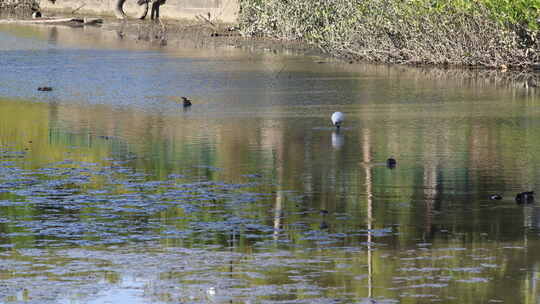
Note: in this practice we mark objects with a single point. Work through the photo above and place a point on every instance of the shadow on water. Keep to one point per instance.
(111, 191)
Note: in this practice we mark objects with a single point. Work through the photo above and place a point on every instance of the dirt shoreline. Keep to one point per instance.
(170, 32)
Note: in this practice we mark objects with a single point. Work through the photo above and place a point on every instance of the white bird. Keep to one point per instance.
(337, 119)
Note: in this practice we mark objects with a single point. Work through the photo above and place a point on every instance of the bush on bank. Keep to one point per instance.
(18, 8)
(491, 33)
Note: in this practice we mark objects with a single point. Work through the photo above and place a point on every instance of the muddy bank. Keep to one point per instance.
(203, 33)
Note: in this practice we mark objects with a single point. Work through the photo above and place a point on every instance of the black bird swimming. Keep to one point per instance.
(44, 89)
(391, 163)
(495, 197)
(186, 102)
(525, 197)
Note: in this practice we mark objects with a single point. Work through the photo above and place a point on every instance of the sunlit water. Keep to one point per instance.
(112, 192)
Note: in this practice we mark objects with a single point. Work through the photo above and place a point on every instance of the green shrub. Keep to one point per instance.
(458, 32)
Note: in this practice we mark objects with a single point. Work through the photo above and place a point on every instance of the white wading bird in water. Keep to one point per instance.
(337, 119)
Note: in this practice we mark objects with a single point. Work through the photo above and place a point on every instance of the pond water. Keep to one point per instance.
(112, 192)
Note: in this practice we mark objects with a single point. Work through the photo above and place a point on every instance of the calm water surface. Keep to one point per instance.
(110, 192)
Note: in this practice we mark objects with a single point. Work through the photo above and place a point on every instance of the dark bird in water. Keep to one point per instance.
(495, 197)
(323, 225)
(525, 197)
(391, 163)
(186, 102)
(44, 89)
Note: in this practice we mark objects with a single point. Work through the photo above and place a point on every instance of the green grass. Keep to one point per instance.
(508, 12)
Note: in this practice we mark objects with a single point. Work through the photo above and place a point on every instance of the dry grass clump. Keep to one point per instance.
(394, 31)
(18, 8)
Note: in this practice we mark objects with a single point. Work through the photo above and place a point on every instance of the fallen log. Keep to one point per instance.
(56, 21)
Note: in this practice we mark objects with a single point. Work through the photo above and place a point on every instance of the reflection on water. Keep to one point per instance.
(338, 140)
(111, 192)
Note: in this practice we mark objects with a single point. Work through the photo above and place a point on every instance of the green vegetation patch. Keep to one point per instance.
(491, 33)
